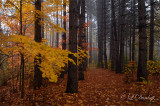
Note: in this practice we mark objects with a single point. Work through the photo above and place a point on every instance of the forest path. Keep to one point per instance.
(100, 88)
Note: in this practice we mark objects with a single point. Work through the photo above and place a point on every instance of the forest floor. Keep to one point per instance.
(100, 88)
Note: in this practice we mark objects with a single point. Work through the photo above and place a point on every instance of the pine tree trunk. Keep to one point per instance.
(72, 82)
(90, 40)
(114, 56)
(105, 33)
(22, 63)
(142, 62)
(42, 27)
(64, 37)
(37, 38)
(61, 14)
(82, 38)
(57, 35)
(130, 39)
(130, 32)
(126, 42)
(86, 30)
(151, 46)
(20, 77)
(22, 57)
(122, 35)
(134, 30)
(100, 33)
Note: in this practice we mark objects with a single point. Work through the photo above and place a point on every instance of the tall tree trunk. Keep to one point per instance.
(90, 39)
(61, 14)
(22, 63)
(119, 20)
(72, 82)
(114, 40)
(130, 39)
(142, 62)
(86, 30)
(122, 35)
(134, 31)
(126, 42)
(100, 33)
(20, 77)
(105, 33)
(82, 37)
(22, 57)
(13, 89)
(50, 37)
(130, 32)
(37, 38)
(57, 35)
(151, 46)
(64, 36)
(43, 23)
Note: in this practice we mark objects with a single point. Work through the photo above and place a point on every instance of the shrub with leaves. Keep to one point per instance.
(153, 67)
(143, 87)
(109, 65)
(128, 70)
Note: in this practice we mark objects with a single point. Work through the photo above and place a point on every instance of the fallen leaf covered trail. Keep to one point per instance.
(100, 88)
